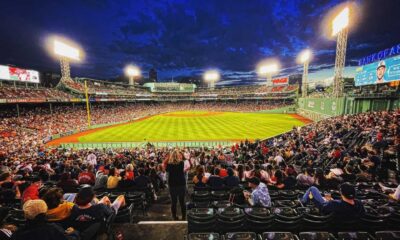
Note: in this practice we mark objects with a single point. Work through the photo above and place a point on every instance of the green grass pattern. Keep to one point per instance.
(197, 126)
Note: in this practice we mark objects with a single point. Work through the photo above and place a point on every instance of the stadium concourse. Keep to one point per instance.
(247, 190)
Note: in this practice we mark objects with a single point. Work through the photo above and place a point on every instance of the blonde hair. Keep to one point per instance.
(129, 167)
(175, 157)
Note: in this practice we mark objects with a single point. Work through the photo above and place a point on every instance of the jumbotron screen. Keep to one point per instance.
(383, 71)
(18, 74)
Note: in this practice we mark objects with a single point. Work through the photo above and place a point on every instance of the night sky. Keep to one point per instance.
(184, 38)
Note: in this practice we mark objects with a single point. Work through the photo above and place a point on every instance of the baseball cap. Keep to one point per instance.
(32, 208)
(254, 180)
(381, 64)
(348, 190)
(85, 195)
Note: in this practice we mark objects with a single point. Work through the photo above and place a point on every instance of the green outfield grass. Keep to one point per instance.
(197, 126)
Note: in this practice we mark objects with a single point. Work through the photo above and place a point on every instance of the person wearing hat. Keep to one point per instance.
(85, 212)
(259, 197)
(36, 225)
(347, 206)
(380, 72)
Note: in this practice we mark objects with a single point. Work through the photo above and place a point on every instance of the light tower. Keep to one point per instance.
(66, 53)
(211, 77)
(268, 70)
(340, 28)
(304, 58)
(132, 72)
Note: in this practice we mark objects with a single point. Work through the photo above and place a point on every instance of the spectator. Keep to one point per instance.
(176, 183)
(347, 207)
(305, 179)
(113, 178)
(129, 174)
(86, 211)
(87, 176)
(67, 184)
(231, 181)
(32, 192)
(101, 178)
(259, 197)
(6, 230)
(215, 181)
(36, 226)
(58, 209)
(142, 181)
(200, 179)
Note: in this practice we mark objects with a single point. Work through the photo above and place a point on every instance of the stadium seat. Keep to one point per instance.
(258, 219)
(219, 195)
(230, 219)
(316, 236)
(201, 219)
(278, 236)
(354, 236)
(240, 236)
(201, 196)
(202, 236)
(387, 235)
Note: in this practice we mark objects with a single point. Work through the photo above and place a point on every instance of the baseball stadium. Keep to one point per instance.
(301, 144)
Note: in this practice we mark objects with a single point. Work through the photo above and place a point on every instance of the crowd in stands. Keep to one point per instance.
(60, 184)
(33, 125)
(31, 93)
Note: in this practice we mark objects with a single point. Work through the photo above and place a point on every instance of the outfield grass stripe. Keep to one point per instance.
(202, 125)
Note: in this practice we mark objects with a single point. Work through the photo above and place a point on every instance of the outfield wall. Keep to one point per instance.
(125, 145)
(288, 109)
(317, 109)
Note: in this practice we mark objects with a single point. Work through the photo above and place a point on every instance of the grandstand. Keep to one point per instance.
(282, 156)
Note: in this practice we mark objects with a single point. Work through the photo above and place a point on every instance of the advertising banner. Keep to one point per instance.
(18, 74)
(280, 81)
(384, 71)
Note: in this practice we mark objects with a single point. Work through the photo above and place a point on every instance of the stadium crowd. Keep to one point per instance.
(58, 185)
(19, 134)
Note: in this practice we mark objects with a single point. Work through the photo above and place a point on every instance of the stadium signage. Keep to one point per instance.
(388, 52)
(384, 71)
(280, 81)
(18, 74)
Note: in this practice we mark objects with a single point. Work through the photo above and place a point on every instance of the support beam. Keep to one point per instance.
(341, 46)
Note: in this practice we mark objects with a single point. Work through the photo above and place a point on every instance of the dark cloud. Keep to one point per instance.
(184, 37)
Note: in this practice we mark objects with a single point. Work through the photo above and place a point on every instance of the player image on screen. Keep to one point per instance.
(380, 72)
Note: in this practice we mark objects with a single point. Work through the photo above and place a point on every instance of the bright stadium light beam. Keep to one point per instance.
(268, 69)
(304, 58)
(64, 50)
(340, 30)
(132, 72)
(211, 76)
(341, 21)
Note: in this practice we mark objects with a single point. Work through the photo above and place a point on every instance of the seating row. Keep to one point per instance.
(381, 235)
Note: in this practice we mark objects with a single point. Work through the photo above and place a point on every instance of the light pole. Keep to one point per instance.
(132, 72)
(340, 28)
(65, 52)
(304, 58)
(268, 70)
(211, 77)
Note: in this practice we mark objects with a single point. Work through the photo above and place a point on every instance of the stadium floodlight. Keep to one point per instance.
(304, 58)
(340, 25)
(132, 72)
(211, 76)
(64, 50)
(341, 21)
(268, 69)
